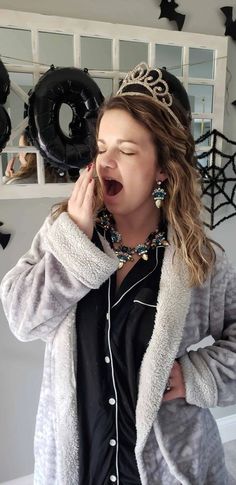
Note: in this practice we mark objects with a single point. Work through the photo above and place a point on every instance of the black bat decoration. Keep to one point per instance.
(230, 24)
(168, 8)
(4, 238)
(234, 102)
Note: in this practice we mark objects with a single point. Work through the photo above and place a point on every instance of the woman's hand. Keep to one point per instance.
(10, 166)
(80, 204)
(177, 385)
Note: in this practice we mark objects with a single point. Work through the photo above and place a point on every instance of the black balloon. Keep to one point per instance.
(5, 127)
(77, 89)
(4, 83)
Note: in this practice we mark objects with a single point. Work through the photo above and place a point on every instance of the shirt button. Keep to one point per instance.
(107, 359)
(112, 442)
(112, 401)
(113, 478)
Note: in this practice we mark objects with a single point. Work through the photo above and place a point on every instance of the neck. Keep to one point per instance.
(135, 230)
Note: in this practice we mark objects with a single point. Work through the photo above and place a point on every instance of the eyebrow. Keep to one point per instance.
(120, 140)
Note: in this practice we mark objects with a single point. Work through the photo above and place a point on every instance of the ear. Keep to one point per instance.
(161, 175)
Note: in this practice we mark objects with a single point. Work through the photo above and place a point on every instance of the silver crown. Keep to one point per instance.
(154, 84)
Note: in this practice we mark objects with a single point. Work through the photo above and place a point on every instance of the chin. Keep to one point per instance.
(117, 210)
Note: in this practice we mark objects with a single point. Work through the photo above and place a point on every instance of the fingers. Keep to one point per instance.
(175, 370)
(88, 197)
(81, 185)
(10, 164)
(170, 395)
(176, 383)
(80, 204)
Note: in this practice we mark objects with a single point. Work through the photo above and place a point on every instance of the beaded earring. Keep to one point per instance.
(159, 194)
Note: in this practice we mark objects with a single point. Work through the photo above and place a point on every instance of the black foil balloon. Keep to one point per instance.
(26, 106)
(4, 83)
(77, 89)
(5, 127)
(25, 114)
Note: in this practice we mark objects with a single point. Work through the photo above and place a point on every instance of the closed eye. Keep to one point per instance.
(127, 153)
(121, 151)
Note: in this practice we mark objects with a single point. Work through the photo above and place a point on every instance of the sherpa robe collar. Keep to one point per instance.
(172, 307)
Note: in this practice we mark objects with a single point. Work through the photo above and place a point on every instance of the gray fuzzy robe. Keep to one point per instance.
(178, 441)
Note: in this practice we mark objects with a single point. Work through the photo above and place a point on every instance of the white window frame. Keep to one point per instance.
(42, 23)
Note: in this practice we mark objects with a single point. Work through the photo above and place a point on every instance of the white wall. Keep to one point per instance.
(201, 16)
(21, 363)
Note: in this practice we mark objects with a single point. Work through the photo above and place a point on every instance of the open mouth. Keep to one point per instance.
(112, 187)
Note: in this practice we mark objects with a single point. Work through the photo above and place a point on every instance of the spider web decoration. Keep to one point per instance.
(218, 183)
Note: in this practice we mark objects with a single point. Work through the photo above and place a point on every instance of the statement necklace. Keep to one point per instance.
(125, 253)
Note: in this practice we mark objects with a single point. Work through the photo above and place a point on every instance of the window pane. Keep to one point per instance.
(15, 105)
(18, 163)
(131, 54)
(105, 85)
(56, 49)
(15, 43)
(203, 161)
(199, 128)
(5, 157)
(65, 118)
(96, 53)
(201, 63)
(201, 98)
(169, 56)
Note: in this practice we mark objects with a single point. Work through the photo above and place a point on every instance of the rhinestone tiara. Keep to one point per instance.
(151, 81)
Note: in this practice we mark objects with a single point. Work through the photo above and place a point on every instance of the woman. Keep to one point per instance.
(119, 282)
(27, 173)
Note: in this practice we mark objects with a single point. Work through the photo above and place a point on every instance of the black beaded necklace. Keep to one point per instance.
(125, 253)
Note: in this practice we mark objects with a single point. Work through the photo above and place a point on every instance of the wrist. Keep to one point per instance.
(87, 231)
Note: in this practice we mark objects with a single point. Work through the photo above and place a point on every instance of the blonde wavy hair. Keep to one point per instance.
(182, 208)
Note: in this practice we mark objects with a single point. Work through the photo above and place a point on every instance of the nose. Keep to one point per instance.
(107, 160)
